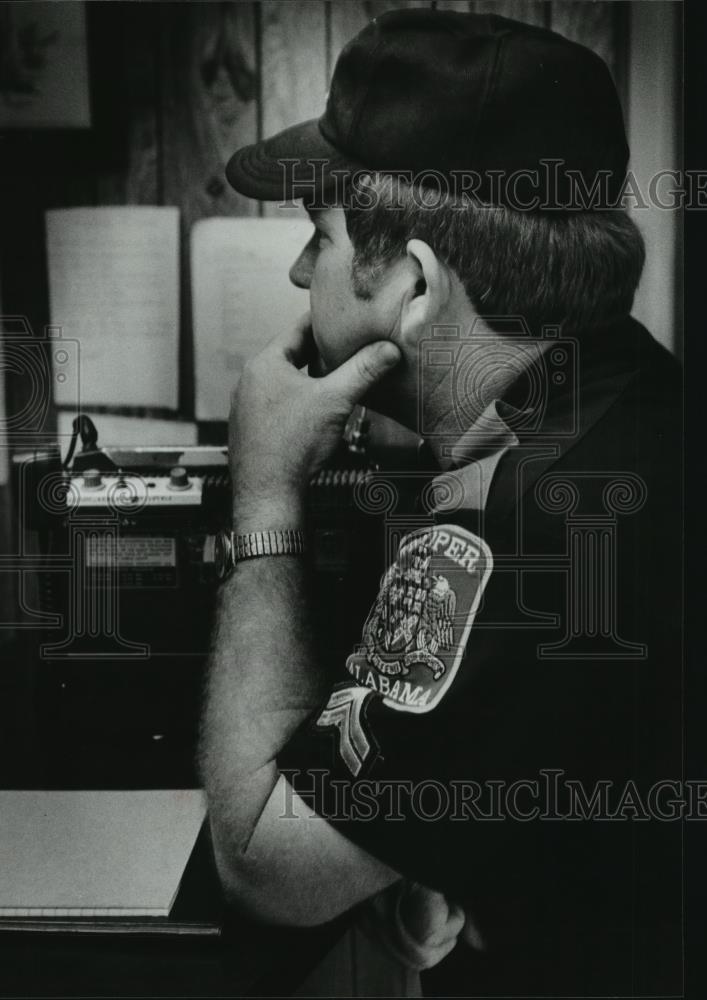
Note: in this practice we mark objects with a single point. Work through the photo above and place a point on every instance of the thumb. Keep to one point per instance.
(363, 370)
(424, 911)
(471, 934)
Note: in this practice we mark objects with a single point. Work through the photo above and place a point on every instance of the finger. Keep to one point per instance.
(471, 935)
(424, 912)
(457, 911)
(450, 930)
(443, 951)
(430, 917)
(443, 934)
(427, 958)
(355, 377)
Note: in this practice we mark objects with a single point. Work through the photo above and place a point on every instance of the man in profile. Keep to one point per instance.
(515, 686)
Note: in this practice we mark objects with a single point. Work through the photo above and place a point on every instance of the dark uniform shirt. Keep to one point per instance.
(521, 664)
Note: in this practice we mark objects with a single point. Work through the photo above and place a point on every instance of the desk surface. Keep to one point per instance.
(273, 964)
(248, 959)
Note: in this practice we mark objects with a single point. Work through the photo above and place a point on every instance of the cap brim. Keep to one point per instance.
(296, 163)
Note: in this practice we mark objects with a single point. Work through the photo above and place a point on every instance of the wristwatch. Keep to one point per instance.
(229, 547)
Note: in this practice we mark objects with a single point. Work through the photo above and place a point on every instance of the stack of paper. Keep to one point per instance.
(95, 854)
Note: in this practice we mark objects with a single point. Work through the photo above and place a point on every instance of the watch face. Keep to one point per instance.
(222, 555)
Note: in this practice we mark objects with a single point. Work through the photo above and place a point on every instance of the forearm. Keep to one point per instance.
(263, 682)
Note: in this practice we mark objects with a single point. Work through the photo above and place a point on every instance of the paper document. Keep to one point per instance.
(95, 853)
(114, 287)
(242, 298)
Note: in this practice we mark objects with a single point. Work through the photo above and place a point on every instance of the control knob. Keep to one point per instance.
(178, 478)
(92, 479)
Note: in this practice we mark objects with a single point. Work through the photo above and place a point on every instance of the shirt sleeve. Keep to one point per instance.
(384, 749)
(444, 744)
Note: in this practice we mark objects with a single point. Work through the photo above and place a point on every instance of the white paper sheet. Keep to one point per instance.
(95, 853)
(242, 298)
(130, 430)
(114, 286)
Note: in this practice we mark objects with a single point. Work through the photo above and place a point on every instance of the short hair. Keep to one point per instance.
(572, 269)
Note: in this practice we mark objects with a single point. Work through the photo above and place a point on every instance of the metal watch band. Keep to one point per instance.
(266, 543)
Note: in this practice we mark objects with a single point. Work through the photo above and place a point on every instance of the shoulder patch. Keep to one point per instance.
(416, 633)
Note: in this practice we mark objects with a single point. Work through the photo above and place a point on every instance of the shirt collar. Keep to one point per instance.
(470, 463)
(489, 434)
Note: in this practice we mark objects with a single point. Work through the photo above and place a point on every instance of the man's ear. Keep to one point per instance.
(431, 293)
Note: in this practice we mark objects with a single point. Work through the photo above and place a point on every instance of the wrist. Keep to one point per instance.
(254, 512)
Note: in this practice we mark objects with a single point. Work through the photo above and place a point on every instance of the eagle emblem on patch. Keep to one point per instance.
(416, 633)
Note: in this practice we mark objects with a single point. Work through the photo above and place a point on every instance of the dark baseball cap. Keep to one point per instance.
(504, 111)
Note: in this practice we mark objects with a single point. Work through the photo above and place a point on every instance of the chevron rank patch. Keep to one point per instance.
(345, 712)
(415, 636)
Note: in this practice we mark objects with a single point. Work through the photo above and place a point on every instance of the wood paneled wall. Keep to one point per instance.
(176, 87)
(230, 73)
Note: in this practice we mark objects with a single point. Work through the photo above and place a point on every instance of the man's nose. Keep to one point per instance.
(301, 270)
